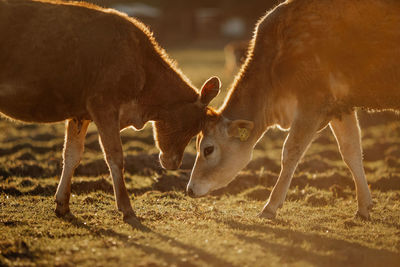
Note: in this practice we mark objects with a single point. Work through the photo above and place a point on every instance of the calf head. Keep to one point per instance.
(224, 147)
(180, 123)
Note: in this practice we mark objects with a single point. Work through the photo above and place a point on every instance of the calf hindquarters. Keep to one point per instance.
(347, 133)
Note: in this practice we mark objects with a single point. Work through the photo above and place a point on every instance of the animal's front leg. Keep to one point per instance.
(347, 133)
(300, 136)
(73, 148)
(107, 122)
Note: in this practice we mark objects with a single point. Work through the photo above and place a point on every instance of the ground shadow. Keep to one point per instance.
(169, 258)
(341, 252)
(205, 256)
(77, 222)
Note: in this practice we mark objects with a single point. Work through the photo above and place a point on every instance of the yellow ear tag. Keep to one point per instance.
(243, 134)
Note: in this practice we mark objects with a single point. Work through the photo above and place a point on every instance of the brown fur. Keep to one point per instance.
(310, 63)
(80, 63)
(359, 41)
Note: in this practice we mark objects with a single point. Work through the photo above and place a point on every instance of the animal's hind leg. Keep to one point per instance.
(347, 133)
(75, 133)
(107, 122)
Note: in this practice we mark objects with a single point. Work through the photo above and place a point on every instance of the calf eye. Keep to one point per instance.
(208, 150)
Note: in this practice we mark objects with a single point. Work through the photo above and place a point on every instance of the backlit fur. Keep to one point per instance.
(310, 64)
(78, 62)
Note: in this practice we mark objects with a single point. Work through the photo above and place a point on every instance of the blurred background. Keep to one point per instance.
(177, 22)
(205, 37)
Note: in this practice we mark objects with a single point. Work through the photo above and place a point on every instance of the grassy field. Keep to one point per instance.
(315, 227)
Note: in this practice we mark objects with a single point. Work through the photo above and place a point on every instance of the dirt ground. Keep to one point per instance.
(315, 227)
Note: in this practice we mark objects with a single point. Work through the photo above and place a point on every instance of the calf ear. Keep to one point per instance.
(209, 90)
(240, 129)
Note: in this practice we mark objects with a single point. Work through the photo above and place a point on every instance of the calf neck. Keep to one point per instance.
(311, 63)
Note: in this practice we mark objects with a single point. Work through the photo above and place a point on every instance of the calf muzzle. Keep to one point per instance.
(170, 162)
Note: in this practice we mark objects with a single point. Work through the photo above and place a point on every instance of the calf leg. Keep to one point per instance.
(75, 133)
(347, 133)
(107, 123)
(300, 137)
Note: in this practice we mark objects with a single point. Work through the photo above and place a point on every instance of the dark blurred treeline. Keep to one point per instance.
(188, 21)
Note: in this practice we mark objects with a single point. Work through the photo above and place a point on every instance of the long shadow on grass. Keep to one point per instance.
(345, 253)
(34, 148)
(203, 255)
(169, 258)
(164, 183)
(71, 218)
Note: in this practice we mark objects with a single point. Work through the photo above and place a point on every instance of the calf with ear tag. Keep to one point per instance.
(240, 129)
(209, 90)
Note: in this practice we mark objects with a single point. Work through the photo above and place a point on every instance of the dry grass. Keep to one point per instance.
(315, 226)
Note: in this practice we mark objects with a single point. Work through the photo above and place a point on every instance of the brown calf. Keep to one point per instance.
(311, 64)
(80, 63)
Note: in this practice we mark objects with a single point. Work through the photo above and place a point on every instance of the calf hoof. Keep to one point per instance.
(362, 215)
(62, 210)
(267, 214)
(131, 219)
